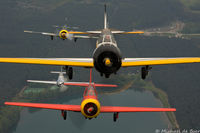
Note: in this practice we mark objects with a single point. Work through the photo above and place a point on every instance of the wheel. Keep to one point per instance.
(51, 37)
(115, 117)
(75, 39)
(70, 73)
(64, 114)
(144, 72)
(101, 74)
(107, 75)
(65, 68)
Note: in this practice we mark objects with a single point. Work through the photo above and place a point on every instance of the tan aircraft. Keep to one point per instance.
(107, 58)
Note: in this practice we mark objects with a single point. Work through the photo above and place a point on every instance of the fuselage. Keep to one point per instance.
(107, 56)
(90, 106)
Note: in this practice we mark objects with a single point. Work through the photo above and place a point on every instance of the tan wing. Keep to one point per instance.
(114, 32)
(85, 37)
(128, 62)
(43, 33)
(81, 62)
(127, 32)
(78, 32)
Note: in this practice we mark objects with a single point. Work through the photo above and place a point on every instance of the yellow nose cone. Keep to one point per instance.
(107, 62)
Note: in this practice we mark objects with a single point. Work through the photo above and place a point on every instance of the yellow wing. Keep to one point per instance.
(129, 62)
(88, 62)
(81, 62)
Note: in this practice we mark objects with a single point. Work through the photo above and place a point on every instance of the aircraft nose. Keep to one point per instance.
(107, 62)
(90, 109)
(59, 83)
(63, 35)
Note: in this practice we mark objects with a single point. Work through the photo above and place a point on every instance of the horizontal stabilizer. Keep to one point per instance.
(87, 84)
(76, 83)
(55, 72)
(43, 82)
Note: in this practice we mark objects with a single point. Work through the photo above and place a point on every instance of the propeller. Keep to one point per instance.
(65, 27)
(69, 36)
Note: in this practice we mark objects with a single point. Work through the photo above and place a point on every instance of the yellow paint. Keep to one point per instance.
(107, 62)
(62, 34)
(161, 62)
(78, 32)
(96, 102)
(90, 64)
(46, 62)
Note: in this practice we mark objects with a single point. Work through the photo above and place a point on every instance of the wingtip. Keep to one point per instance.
(6, 103)
(115, 85)
(171, 109)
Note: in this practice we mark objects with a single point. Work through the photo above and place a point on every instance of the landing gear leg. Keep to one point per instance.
(69, 72)
(145, 71)
(75, 39)
(51, 37)
(115, 116)
(64, 114)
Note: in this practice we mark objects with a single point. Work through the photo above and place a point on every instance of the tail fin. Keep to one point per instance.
(105, 18)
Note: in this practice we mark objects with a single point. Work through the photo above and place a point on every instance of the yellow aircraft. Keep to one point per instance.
(63, 33)
(107, 58)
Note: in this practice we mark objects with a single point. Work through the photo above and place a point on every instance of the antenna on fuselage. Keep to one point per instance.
(90, 75)
(105, 18)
